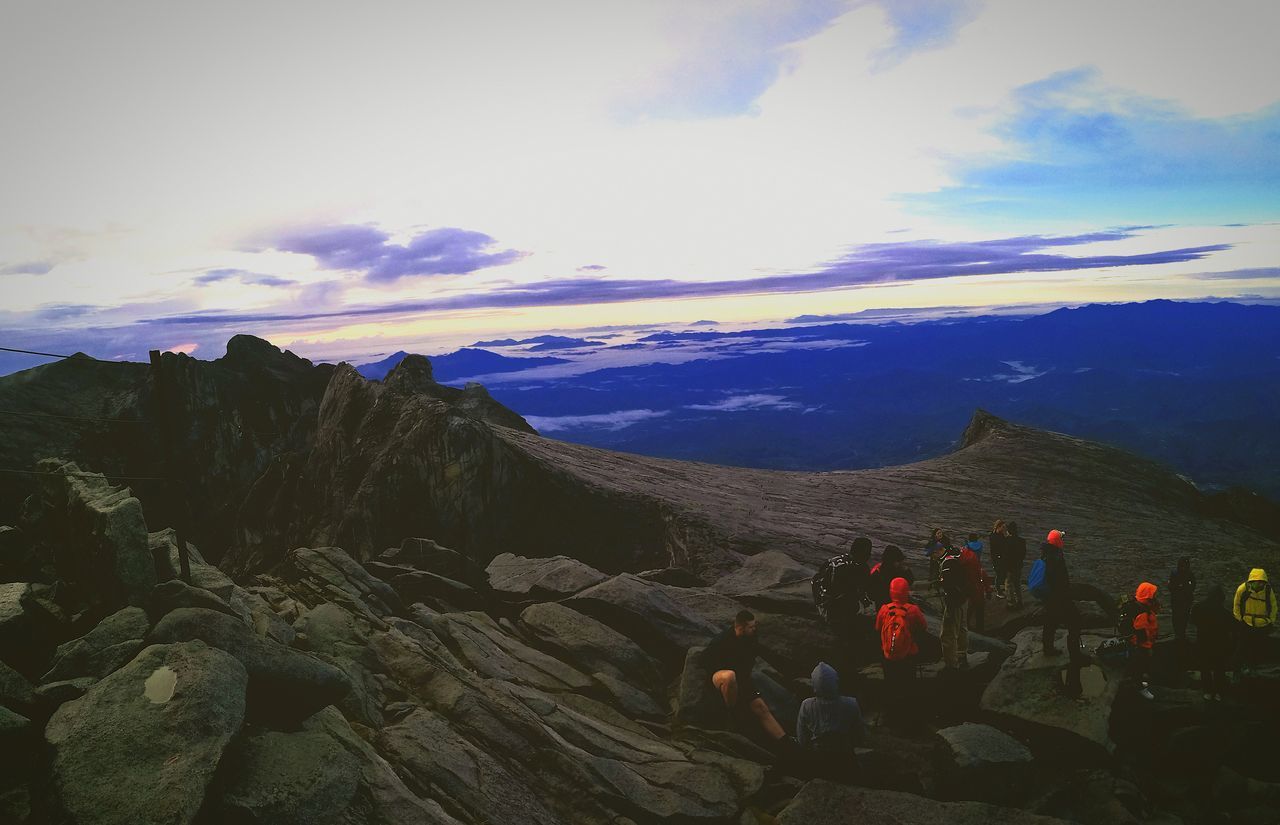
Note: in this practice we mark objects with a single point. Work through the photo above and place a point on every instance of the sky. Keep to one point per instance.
(350, 179)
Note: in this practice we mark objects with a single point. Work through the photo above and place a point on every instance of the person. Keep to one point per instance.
(1014, 555)
(1215, 629)
(997, 540)
(892, 565)
(1145, 626)
(1254, 607)
(933, 549)
(1059, 609)
(840, 591)
(731, 656)
(829, 726)
(1182, 591)
(956, 574)
(979, 587)
(899, 622)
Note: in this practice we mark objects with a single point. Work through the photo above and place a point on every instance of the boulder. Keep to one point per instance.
(100, 534)
(763, 571)
(482, 645)
(328, 574)
(425, 554)
(421, 586)
(827, 803)
(53, 694)
(143, 744)
(163, 545)
(301, 778)
(170, 595)
(557, 577)
(13, 614)
(16, 693)
(646, 613)
(978, 746)
(285, 686)
(1031, 689)
(113, 642)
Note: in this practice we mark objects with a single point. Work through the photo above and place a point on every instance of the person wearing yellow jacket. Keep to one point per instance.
(1255, 606)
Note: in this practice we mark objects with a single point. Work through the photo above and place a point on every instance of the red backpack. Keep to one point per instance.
(895, 636)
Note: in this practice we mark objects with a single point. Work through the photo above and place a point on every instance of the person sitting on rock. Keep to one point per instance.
(1254, 607)
(1059, 609)
(899, 623)
(829, 726)
(731, 656)
(1215, 631)
(892, 565)
(1145, 627)
(1014, 555)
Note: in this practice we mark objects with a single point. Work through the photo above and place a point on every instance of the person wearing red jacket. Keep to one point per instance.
(898, 623)
(1145, 627)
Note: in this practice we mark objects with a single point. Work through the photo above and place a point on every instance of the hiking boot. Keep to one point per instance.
(1146, 693)
(1217, 697)
(1208, 697)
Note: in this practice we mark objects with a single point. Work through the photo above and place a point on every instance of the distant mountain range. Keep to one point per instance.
(1193, 385)
(460, 364)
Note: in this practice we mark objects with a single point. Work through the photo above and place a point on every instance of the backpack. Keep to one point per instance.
(954, 578)
(1244, 599)
(836, 581)
(1130, 610)
(1036, 584)
(895, 636)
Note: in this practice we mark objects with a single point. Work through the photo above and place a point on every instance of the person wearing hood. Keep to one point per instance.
(899, 622)
(1059, 609)
(1145, 627)
(893, 565)
(830, 725)
(1254, 607)
(1182, 592)
(1215, 631)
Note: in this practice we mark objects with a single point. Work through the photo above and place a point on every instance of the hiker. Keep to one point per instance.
(1143, 627)
(829, 726)
(840, 591)
(731, 656)
(1182, 591)
(1215, 629)
(958, 572)
(898, 623)
(1254, 607)
(979, 587)
(1013, 556)
(892, 565)
(997, 540)
(938, 544)
(1059, 609)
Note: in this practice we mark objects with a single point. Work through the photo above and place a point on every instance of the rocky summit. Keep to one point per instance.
(262, 590)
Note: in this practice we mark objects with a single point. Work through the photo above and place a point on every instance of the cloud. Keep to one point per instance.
(592, 268)
(441, 251)
(602, 421)
(1076, 147)
(923, 24)
(27, 268)
(740, 403)
(214, 276)
(866, 265)
(1255, 273)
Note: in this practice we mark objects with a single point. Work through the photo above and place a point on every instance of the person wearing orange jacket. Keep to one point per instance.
(899, 623)
(1145, 628)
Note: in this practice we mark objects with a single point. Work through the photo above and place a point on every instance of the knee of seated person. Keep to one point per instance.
(724, 678)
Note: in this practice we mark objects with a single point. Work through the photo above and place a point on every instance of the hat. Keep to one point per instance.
(1055, 537)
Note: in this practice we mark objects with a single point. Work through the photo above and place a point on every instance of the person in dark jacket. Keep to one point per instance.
(1059, 609)
(1014, 555)
(979, 587)
(1182, 592)
(841, 593)
(893, 565)
(829, 726)
(959, 572)
(731, 656)
(1215, 639)
(996, 540)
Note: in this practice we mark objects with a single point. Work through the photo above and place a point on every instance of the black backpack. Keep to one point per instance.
(954, 578)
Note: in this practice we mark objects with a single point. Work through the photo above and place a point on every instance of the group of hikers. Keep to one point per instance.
(872, 608)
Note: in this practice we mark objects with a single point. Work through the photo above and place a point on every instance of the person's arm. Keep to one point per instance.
(1143, 628)
(802, 723)
(1238, 603)
(1275, 607)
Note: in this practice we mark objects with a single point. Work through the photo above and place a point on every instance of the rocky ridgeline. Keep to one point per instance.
(420, 687)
